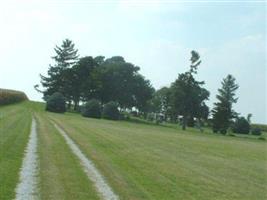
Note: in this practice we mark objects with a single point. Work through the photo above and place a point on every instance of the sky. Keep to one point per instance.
(155, 35)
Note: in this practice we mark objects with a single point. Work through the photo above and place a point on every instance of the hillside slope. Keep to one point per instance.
(138, 161)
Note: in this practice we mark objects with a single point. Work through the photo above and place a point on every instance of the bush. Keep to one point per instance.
(231, 134)
(222, 130)
(56, 103)
(262, 127)
(134, 113)
(241, 125)
(150, 117)
(111, 111)
(91, 109)
(124, 116)
(11, 96)
(261, 138)
(256, 131)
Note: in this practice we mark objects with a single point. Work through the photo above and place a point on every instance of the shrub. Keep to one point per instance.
(256, 131)
(222, 131)
(124, 116)
(241, 125)
(261, 138)
(150, 117)
(11, 96)
(56, 103)
(91, 109)
(110, 111)
(263, 127)
(127, 116)
(134, 113)
(231, 134)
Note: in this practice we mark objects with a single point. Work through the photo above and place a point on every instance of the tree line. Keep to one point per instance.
(81, 79)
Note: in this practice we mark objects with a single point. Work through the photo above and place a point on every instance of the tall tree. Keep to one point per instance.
(161, 101)
(142, 93)
(58, 77)
(66, 54)
(223, 112)
(188, 95)
(84, 85)
(117, 81)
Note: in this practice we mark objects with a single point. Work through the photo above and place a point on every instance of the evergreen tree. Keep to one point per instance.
(66, 55)
(223, 112)
(188, 95)
(58, 77)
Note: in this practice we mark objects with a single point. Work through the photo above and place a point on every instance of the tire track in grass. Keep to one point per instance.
(104, 190)
(27, 186)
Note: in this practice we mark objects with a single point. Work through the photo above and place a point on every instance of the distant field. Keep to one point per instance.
(11, 96)
(139, 161)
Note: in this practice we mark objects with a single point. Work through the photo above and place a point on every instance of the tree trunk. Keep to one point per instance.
(191, 122)
(184, 122)
(76, 105)
(69, 104)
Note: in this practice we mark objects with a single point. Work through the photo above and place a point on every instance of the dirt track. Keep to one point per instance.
(27, 186)
(103, 189)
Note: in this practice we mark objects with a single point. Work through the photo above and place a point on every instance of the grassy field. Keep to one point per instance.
(153, 162)
(61, 176)
(139, 161)
(15, 122)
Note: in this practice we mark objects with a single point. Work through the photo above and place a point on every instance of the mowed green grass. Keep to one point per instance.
(154, 162)
(61, 174)
(139, 161)
(15, 123)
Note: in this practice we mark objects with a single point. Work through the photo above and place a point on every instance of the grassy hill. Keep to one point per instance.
(139, 161)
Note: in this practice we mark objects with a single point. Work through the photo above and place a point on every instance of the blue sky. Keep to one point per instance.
(155, 35)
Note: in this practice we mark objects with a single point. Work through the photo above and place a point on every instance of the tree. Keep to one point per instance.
(117, 81)
(66, 55)
(110, 111)
(142, 93)
(188, 95)
(59, 74)
(56, 103)
(92, 109)
(82, 81)
(241, 125)
(161, 102)
(249, 118)
(223, 112)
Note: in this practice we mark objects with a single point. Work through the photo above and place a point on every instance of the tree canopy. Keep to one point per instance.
(82, 79)
(188, 95)
(223, 111)
(59, 76)
(105, 80)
